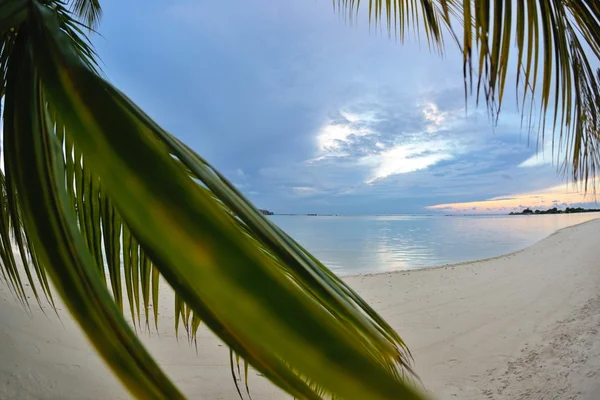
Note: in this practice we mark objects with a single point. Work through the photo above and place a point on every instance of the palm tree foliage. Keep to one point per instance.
(553, 39)
(91, 185)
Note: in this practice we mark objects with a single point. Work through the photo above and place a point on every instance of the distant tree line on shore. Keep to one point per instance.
(568, 210)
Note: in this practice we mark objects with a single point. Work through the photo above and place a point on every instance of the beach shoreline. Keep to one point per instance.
(524, 325)
(462, 263)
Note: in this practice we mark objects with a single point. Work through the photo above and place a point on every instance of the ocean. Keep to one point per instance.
(351, 245)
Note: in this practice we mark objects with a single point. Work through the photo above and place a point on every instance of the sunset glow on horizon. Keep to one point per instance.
(559, 196)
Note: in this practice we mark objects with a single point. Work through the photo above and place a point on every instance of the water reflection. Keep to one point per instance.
(366, 244)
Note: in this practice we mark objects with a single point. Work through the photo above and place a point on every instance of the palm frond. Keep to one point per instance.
(11, 234)
(107, 192)
(552, 64)
(36, 170)
(89, 11)
(12, 14)
(402, 17)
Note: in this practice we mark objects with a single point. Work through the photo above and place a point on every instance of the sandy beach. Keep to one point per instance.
(520, 326)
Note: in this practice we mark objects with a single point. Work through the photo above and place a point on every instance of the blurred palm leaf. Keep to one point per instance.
(98, 187)
(93, 187)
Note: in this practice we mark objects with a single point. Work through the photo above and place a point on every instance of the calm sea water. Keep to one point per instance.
(367, 244)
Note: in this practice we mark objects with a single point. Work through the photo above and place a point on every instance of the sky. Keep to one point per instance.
(307, 112)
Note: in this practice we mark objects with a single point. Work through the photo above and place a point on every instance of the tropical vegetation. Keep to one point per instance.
(99, 202)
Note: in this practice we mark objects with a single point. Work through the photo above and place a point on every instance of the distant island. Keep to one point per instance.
(555, 210)
(267, 212)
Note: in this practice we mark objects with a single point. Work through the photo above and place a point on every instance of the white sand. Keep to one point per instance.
(521, 326)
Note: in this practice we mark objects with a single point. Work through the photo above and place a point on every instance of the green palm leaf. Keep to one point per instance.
(34, 155)
(162, 208)
(88, 10)
(202, 254)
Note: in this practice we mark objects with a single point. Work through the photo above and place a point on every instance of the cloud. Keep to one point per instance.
(382, 138)
(559, 195)
(549, 153)
(397, 153)
(305, 190)
(332, 137)
(434, 116)
(402, 159)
